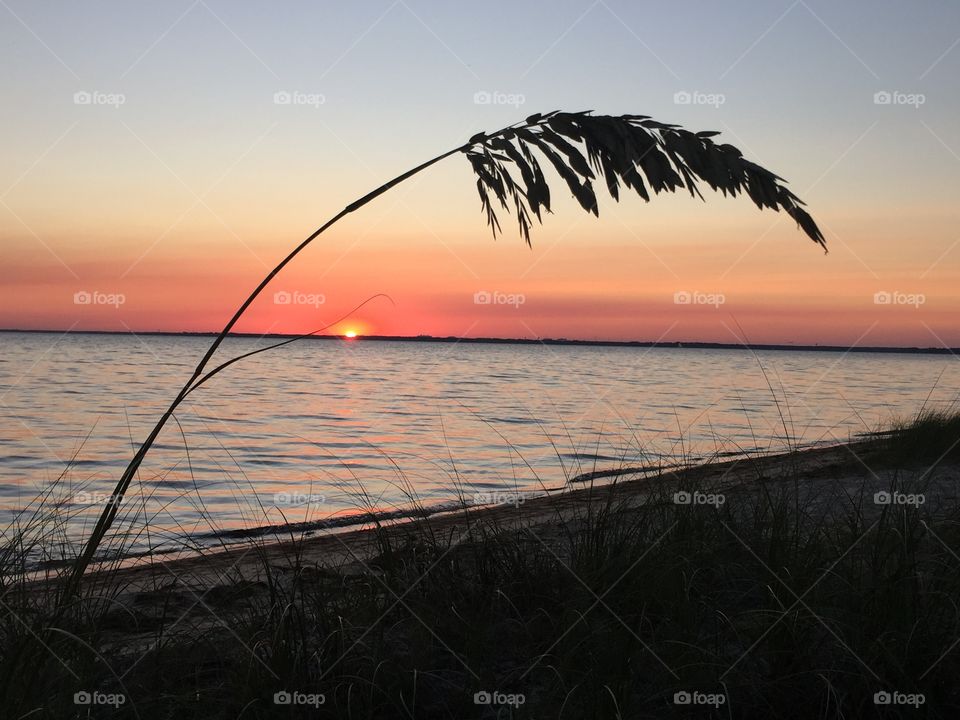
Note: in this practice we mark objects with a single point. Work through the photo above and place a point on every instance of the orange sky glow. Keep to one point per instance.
(161, 212)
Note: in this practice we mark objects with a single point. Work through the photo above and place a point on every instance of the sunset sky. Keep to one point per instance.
(153, 171)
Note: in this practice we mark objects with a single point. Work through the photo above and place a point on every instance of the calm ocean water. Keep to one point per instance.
(319, 429)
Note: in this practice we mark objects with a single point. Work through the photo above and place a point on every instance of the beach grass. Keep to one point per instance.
(820, 584)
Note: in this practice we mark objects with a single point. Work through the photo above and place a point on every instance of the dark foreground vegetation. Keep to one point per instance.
(812, 585)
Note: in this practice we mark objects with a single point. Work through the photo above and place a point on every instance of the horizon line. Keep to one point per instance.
(673, 344)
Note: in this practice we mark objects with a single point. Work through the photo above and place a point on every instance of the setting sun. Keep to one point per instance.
(556, 304)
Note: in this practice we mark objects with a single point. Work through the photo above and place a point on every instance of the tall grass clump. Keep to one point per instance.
(623, 153)
(327, 628)
(928, 436)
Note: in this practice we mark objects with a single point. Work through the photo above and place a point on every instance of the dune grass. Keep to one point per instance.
(929, 437)
(797, 596)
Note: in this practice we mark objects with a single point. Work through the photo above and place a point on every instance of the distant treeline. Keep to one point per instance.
(529, 341)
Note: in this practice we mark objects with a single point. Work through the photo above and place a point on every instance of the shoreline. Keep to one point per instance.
(353, 547)
(670, 580)
(674, 345)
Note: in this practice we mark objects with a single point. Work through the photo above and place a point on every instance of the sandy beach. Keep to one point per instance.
(827, 478)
